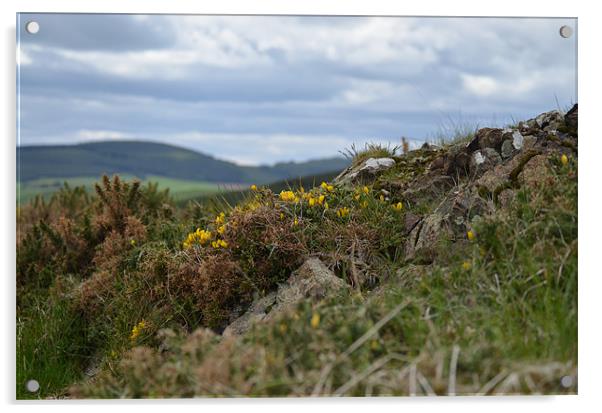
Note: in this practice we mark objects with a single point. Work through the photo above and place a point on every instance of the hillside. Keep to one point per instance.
(448, 270)
(141, 159)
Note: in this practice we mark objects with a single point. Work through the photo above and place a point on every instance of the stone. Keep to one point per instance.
(488, 138)
(365, 172)
(507, 149)
(536, 172)
(484, 160)
(313, 280)
(571, 118)
(410, 222)
(423, 239)
(456, 162)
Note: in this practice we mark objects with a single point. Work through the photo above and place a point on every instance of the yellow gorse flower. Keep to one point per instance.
(366, 190)
(200, 236)
(315, 320)
(253, 187)
(137, 330)
(220, 219)
(470, 235)
(343, 212)
(564, 159)
(466, 265)
(221, 229)
(219, 243)
(398, 206)
(327, 187)
(289, 196)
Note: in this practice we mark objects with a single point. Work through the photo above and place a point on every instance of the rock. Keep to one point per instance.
(374, 165)
(506, 197)
(484, 160)
(312, 280)
(424, 237)
(486, 138)
(507, 149)
(257, 312)
(456, 162)
(512, 144)
(366, 171)
(536, 172)
(410, 222)
(571, 118)
(428, 186)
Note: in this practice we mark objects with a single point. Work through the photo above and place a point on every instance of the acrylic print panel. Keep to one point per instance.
(296, 205)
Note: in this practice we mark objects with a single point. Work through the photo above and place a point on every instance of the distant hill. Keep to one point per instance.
(142, 159)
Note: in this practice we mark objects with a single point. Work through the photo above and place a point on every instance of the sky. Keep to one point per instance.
(265, 89)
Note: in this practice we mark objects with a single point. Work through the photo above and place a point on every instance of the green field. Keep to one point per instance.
(180, 189)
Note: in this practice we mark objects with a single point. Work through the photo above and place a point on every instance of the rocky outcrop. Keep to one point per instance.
(498, 162)
(313, 280)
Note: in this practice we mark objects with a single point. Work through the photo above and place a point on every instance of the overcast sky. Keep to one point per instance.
(257, 90)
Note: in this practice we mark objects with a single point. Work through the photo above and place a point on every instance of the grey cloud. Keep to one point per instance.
(116, 32)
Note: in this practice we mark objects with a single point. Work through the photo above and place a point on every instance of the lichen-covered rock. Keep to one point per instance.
(536, 172)
(487, 138)
(365, 172)
(313, 280)
(484, 160)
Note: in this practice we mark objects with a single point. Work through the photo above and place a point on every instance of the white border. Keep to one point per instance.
(590, 287)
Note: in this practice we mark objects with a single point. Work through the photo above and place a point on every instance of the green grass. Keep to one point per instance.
(179, 189)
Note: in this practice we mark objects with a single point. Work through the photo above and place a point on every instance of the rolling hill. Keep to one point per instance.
(43, 169)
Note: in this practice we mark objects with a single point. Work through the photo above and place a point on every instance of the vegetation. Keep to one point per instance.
(127, 287)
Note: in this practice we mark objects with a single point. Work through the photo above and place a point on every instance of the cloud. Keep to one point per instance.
(291, 85)
(480, 85)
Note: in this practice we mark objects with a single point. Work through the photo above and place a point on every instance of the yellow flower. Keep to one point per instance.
(253, 187)
(325, 205)
(200, 236)
(220, 219)
(133, 242)
(327, 187)
(220, 243)
(302, 190)
(315, 320)
(312, 202)
(466, 265)
(321, 199)
(288, 196)
(364, 204)
(137, 330)
(296, 222)
(221, 229)
(356, 197)
(343, 212)
(382, 198)
(470, 235)
(398, 206)
(564, 159)
(366, 190)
